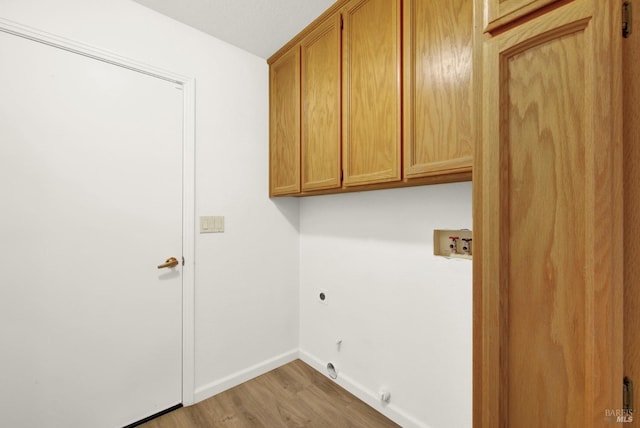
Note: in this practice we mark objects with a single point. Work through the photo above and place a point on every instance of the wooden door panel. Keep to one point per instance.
(500, 12)
(284, 128)
(545, 220)
(321, 162)
(371, 92)
(438, 56)
(550, 342)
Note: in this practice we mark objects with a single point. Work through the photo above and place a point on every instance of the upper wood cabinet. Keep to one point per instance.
(438, 59)
(371, 90)
(500, 12)
(374, 94)
(548, 222)
(321, 157)
(284, 124)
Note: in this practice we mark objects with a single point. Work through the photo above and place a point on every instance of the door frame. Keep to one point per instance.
(188, 176)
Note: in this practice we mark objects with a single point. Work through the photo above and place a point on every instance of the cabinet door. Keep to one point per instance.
(371, 92)
(284, 127)
(438, 55)
(548, 310)
(500, 12)
(321, 107)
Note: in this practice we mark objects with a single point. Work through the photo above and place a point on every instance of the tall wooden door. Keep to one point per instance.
(371, 92)
(548, 297)
(91, 189)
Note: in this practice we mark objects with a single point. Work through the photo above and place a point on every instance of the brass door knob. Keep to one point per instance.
(171, 262)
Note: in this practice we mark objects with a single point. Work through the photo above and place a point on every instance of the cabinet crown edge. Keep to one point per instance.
(333, 9)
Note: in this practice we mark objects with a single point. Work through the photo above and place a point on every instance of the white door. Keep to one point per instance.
(90, 204)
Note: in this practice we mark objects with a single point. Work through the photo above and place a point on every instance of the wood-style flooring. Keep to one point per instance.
(294, 395)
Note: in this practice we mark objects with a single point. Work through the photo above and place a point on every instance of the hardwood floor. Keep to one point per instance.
(294, 395)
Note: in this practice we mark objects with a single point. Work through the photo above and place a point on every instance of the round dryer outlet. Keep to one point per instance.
(322, 296)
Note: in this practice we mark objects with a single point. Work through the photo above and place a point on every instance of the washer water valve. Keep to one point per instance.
(453, 244)
(466, 246)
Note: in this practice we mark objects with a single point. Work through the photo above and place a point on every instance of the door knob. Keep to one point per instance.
(171, 262)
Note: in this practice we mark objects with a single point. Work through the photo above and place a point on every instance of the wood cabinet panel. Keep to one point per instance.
(500, 12)
(321, 157)
(284, 126)
(550, 336)
(438, 61)
(546, 191)
(371, 92)
(631, 59)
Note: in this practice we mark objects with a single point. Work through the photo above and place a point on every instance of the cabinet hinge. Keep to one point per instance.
(341, 23)
(341, 175)
(182, 260)
(626, 19)
(627, 396)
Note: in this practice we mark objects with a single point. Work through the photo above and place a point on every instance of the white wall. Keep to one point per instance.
(403, 314)
(247, 278)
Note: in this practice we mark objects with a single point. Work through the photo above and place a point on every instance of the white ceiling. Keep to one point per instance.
(258, 26)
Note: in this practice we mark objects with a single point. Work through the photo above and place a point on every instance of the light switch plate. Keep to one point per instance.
(211, 224)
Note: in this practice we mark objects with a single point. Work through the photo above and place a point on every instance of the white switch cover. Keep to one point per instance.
(212, 224)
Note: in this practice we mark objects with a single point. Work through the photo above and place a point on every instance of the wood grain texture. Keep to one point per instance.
(371, 92)
(478, 411)
(552, 205)
(284, 124)
(437, 52)
(631, 62)
(435, 179)
(321, 101)
(294, 395)
(545, 219)
(501, 12)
